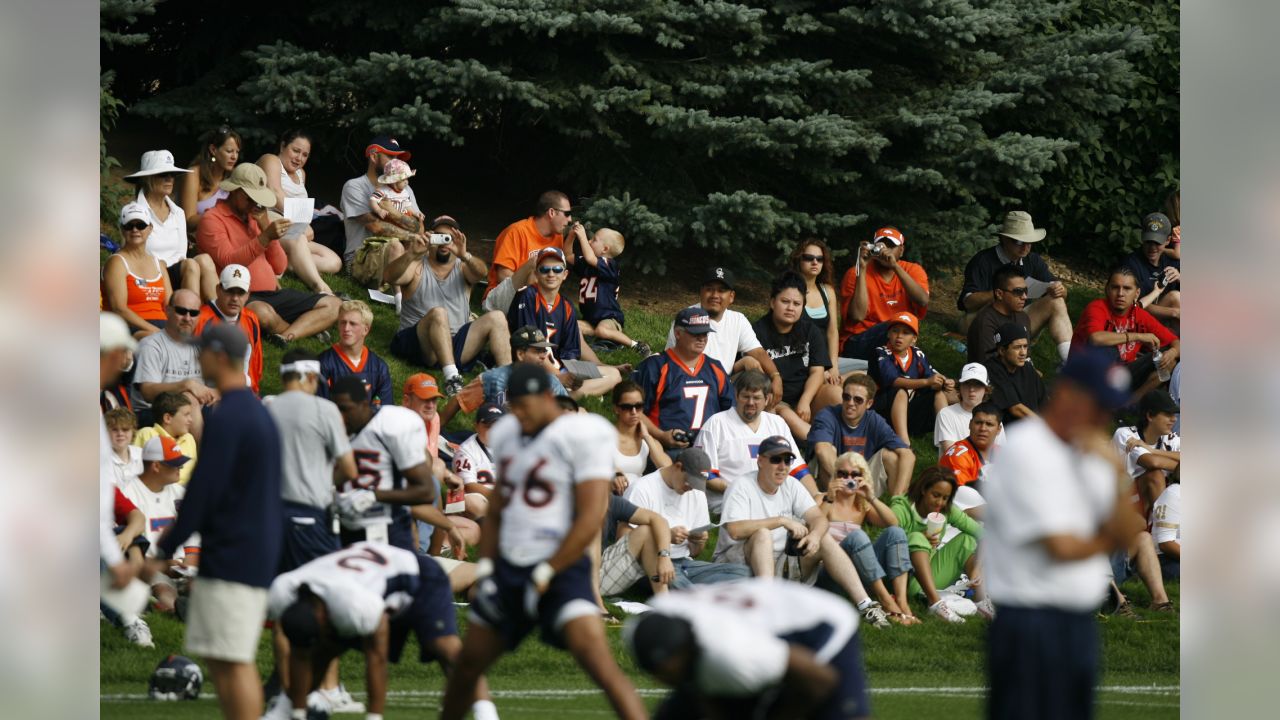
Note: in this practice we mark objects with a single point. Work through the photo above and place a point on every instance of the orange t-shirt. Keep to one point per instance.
(884, 299)
(964, 459)
(252, 329)
(513, 246)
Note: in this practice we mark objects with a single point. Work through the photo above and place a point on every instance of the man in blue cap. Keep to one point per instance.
(1055, 512)
(682, 385)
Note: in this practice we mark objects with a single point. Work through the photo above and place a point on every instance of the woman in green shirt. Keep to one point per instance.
(936, 566)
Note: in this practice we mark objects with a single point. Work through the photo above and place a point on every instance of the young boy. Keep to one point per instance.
(157, 494)
(952, 423)
(598, 289)
(126, 460)
(908, 386)
(176, 413)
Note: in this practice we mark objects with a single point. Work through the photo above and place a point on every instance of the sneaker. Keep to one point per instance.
(341, 702)
(453, 385)
(874, 614)
(1164, 607)
(643, 348)
(278, 340)
(318, 704)
(139, 633)
(986, 609)
(325, 337)
(280, 708)
(944, 611)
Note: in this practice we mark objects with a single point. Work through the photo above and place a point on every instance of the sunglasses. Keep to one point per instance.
(135, 226)
(850, 398)
(566, 213)
(811, 258)
(189, 312)
(847, 474)
(1017, 243)
(1019, 292)
(551, 269)
(630, 407)
(787, 458)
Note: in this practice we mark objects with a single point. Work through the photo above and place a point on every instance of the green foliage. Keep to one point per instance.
(720, 126)
(114, 17)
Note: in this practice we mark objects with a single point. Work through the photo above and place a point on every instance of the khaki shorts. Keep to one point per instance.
(224, 620)
(447, 564)
(618, 569)
(784, 566)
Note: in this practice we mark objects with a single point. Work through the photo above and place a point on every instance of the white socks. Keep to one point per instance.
(450, 371)
(866, 603)
(1063, 349)
(484, 710)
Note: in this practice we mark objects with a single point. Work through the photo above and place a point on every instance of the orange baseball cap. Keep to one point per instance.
(163, 450)
(890, 233)
(906, 318)
(421, 386)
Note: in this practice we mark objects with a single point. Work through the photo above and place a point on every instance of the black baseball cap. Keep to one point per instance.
(529, 337)
(1156, 228)
(655, 638)
(386, 145)
(1158, 401)
(1010, 331)
(773, 445)
(694, 320)
(445, 220)
(527, 379)
(720, 274)
(696, 465)
(222, 337)
(489, 413)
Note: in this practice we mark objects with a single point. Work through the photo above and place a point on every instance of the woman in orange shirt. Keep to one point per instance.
(135, 283)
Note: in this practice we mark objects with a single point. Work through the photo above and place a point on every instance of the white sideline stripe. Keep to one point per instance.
(972, 690)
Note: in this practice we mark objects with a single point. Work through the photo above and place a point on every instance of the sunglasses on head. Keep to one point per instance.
(787, 458)
(846, 474)
(811, 258)
(850, 398)
(634, 407)
(551, 269)
(135, 225)
(189, 312)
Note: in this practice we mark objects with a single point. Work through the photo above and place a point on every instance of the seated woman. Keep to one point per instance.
(218, 157)
(287, 179)
(811, 260)
(849, 503)
(134, 282)
(799, 350)
(636, 447)
(935, 563)
(169, 240)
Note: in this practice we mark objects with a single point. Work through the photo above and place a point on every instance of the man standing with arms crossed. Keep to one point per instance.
(1055, 512)
(554, 476)
(233, 501)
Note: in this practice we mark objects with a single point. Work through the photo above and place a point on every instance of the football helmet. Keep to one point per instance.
(176, 678)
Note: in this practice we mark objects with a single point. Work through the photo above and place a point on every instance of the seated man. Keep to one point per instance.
(1158, 273)
(678, 493)
(436, 281)
(1151, 449)
(735, 344)
(165, 362)
(227, 306)
(731, 438)
(1018, 391)
(359, 221)
(767, 521)
(878, 286)
(544, 229)
(854, 427)
(1009, 297)
(1166, 529)
(528, 345)
(629, 555)
(1049, 307)
(157, 494)
(350, 356)
(683, 386)
(235, 231)
(174, 414)
(969, 457)
(1117, 322)
(952, 423)
(473, 465)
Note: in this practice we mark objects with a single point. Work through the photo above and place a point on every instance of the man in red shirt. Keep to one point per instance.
(1117, 322)
(233, 232)
(543, 229)
(889, 285)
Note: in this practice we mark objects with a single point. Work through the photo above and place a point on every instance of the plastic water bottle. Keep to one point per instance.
(1161, 373)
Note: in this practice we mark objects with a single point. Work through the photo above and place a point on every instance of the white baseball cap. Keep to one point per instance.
(974, 371)
(113, 333)
(134, 211)
(234, 276)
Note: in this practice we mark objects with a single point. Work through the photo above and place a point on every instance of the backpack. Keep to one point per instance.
(369, 262)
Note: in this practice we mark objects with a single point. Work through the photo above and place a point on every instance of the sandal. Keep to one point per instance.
(903, 619)
(1125, 610)
(1164, 607)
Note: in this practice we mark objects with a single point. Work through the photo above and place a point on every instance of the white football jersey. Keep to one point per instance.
(393, 441)
(357, 583)
(739, 626)
(732, 446)
(536, 476)
(160, 509)
(1170, 442)
(473, 463)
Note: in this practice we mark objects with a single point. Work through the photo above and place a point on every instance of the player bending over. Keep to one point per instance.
(554, 475)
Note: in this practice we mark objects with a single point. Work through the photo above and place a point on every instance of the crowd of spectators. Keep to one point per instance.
(794, 436)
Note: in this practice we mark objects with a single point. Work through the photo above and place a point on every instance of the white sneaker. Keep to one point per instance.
(874, 614)
(340, 701)
(139, 633)
(986, 609)
(318, 702)
(279, 708)
(944, 611)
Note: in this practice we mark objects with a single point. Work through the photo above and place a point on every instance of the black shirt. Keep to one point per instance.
(1147, 275)
(793, 353)
(1022, 386)
(982, 331)
(980, 272)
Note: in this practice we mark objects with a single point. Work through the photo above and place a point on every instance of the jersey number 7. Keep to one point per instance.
(698, 393)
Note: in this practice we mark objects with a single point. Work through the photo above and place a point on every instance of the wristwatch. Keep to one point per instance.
(664, 553)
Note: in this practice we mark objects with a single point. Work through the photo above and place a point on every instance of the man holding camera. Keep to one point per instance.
(879, 286)
(435, 275)
(683, 387)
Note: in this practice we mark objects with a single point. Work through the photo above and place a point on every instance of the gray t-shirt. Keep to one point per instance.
(312, 437)
(453, 294)
(355, 202)
(161, 359)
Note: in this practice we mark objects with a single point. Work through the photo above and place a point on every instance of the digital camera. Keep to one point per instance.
(440, 238)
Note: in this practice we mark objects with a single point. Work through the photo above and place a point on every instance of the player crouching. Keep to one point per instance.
(365, 597)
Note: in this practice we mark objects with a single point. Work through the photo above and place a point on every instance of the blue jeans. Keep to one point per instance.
(862, 346)
(887, 558)
(698, 572)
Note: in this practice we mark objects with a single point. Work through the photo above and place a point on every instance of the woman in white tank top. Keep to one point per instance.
(287, 179)
(635, 446)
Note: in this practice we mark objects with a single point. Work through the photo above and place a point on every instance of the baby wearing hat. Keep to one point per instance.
(393, 192)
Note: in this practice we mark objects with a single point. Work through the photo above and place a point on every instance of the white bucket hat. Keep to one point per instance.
(156, 162)
(1018, 225)
(395, 171)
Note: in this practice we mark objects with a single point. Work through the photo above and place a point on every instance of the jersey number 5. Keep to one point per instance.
(536, 493)
(367, 473)
(698, 393)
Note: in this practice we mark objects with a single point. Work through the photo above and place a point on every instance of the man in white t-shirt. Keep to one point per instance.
(774, 518)
(1151, 449)
(677, 492)
(733, 336)
(952, 422)
(732, 437)
(1166, 529)
(1053, 516)
(753, 649)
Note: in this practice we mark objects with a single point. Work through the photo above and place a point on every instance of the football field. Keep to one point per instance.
(931, 670)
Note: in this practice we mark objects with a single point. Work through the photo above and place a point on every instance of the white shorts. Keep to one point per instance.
(224, 620)
(447, 564)
(618, 569)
